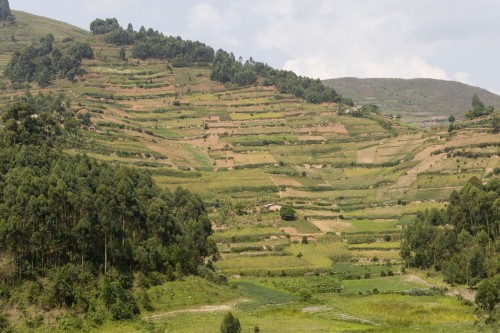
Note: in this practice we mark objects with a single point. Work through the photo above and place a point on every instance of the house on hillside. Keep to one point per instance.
(272, 207)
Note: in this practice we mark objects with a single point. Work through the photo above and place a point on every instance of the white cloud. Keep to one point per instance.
(344, 38)
(461, 77)
(205, 18)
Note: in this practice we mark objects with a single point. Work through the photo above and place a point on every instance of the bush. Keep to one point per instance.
(230, 324)
(305, 296)
(287, 213)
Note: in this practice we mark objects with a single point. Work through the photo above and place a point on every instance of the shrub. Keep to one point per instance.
(230, 324)
(287, 213)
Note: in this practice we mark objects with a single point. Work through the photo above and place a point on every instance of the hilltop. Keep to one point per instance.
(28, 28)
(425, 102)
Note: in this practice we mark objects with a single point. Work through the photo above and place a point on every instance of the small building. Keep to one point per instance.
(272, 207)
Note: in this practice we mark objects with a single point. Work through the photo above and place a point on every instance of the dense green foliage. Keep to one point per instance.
(478, 108)
(464, 240)
(227, 69)
(287, 213)
(488, 293)
(152, 44)
(230, 324)
(85, 225)
(42, 62)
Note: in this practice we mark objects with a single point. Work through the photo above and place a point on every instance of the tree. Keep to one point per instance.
(488, 293)
(122, 55)
(5, 14)
(287, 213)
(230, 324)
(478, 108)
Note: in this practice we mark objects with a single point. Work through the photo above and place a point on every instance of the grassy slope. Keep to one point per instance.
(29, 27)
(424, 101)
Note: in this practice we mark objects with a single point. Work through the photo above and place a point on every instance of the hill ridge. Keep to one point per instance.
(419, 101)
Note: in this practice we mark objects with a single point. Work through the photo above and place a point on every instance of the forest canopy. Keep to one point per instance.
(89, 226)
(462, 240)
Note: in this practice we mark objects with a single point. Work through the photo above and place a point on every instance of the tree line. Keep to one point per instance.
(42, 62)
(226, 68)
(87, 226)
(463, 240)
(479, 109)
(151, 44)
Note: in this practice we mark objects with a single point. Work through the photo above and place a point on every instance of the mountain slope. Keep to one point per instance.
(421, 101)
(29, 27)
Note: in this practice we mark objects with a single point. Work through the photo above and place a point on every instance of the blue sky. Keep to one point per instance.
(442, 39)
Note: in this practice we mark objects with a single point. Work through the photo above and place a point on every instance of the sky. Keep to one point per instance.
(442, 39)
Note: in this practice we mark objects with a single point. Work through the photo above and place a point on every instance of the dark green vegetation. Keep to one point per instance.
(42, 62)
(227, 69)
(352, 175)
(5, 13)
(151, 44)
(74, 230)
(463, 241)
(230, 324)
(421, 101)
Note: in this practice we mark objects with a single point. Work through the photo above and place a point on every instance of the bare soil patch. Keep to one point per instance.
(281, 180)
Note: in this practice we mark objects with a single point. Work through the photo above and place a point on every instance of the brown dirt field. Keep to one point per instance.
(367, 155)
(254, 158)
(467, 139)
(223, 163)
(427, 160)
(336, 128)
(291, 231)
(311, 138)
(332, 225)
(281, 180)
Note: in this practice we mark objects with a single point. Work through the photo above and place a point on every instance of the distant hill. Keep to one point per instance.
(419, 101)
(29, 27)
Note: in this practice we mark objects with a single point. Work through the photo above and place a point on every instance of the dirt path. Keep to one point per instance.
(467, 294)
(427, 160)
(200, 309)
(416, 279)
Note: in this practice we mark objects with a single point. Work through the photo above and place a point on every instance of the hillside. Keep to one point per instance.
(420, 101)
(29, 27)
(353, 179)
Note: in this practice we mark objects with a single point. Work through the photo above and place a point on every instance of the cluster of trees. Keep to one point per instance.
(88, 225)
(479, 109)
(151, 43)
(5, 13)
(463, 241)
(42, 62)
(227, 69)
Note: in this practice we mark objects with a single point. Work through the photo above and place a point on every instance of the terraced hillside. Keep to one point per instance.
(353, 182)
(257, 145)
